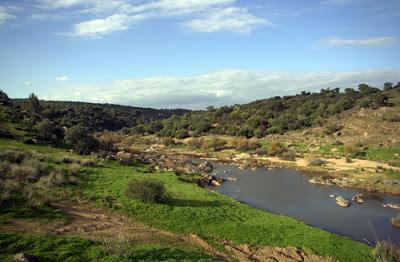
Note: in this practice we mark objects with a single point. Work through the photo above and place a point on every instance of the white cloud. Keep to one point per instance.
(219, 88)
(201, 15)
(6, 13)
(62, 78)
(368, 42)
(99, 27)
(27, 83)
(229, 19)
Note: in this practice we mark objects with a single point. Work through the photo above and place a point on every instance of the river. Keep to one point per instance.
(288, 192)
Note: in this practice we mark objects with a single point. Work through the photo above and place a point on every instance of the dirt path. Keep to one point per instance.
(104, 226)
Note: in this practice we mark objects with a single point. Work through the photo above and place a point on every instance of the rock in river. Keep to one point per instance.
(395, 222)
(358, 198)
(343, 202)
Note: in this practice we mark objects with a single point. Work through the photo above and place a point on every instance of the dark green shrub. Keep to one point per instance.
(332, 128)
(182, 134)
(147, 190)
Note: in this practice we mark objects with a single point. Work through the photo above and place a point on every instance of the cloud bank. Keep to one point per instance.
(218, 88)
(118, 15)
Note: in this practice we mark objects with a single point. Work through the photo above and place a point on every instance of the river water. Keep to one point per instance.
(288, 192)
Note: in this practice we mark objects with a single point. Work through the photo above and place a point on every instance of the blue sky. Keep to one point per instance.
(194, 53)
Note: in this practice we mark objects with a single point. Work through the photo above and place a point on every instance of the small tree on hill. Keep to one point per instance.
(78, 136)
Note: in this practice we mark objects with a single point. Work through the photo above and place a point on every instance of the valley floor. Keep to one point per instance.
(94, 220)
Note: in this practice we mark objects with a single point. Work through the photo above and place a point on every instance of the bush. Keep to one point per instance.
(351, 151)
(74, 169)
(277, 149)
(244, 144)
(214, 143)
(289, 155)
(195, 142)
(55, 179)
(182, 134)
(261, 151)
(386, 251)
(78, 136)
(332, 128)
(147, 190)
(317, 162)
(168, 141)
(13, 156)
(89, 163)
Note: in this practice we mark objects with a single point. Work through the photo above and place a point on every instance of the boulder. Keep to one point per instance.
(343, 202)
(391, 205)
(125, 157)
(215, 183)
(358, 198)
(21, 257)
(206, 167)
(395, 222)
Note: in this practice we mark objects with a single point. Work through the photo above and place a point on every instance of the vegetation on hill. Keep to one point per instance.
(73, 123)
(275, 115)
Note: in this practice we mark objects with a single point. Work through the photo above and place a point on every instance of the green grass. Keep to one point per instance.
(68, 249)
(195, 210)
(44, 214)
(191, 209)
(383, 154)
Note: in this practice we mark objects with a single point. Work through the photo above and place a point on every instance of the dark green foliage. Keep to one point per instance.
(147, 190)
(275, 115)
(78, 136)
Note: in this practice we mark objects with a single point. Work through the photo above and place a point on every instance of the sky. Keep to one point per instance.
(194, 53)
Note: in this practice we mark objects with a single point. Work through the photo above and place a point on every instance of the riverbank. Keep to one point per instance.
(374, 176)
(213, 217)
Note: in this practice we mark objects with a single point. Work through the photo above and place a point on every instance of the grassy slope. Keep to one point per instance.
(68, 249)
(203, 212)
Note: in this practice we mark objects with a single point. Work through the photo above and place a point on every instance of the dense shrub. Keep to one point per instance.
(277, 149)
(182, 134)
(195, 142)
(352, 151)
(289, 155)
(13, 156)
(332, 128)
(168, 141)
(261, 151)
(214, 143)
(147, 190)
(78, 136)
(244, 144)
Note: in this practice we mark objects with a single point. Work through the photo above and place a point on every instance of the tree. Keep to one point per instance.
(78, 136)
(4, 99)
(32, 103)
(387, 86)
(367, 90)
(45, 130)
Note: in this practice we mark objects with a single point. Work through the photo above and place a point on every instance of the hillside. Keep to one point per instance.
(277, 115)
